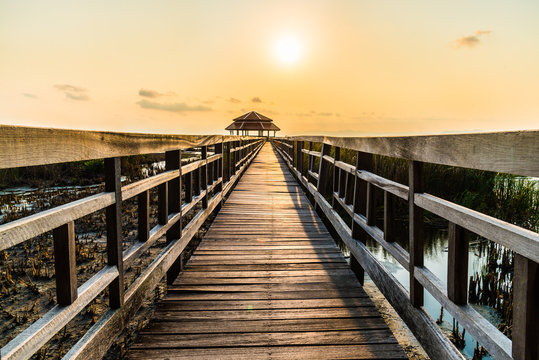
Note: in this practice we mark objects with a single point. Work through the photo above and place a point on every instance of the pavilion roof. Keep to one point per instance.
(253, 121)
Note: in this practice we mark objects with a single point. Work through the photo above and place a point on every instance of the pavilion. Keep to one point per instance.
(252, 121)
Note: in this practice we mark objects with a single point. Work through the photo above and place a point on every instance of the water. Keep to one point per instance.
(436, 242)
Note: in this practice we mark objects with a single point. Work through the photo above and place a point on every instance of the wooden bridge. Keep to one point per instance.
(267, 280)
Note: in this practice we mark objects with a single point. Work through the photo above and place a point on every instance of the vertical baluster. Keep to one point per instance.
(113, 214)
(359, 204)
(228, 165)
(323, 170)
(371, 205)
(457, 264)
(65, 263)
(310, 157)
(363, 162)
(299, 157)
(173, 162)
(350, 182)
(336, 176)
(143, 210)
(162, 203)
(204, 176)
(416, 231)
(389, 217)
(525, 309)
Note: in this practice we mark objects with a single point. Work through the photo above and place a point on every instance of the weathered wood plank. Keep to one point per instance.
(513, 152)
(27, 146)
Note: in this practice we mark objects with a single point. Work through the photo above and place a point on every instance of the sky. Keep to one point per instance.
(339, 68)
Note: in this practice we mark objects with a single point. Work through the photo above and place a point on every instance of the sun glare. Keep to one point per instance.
(288, 50)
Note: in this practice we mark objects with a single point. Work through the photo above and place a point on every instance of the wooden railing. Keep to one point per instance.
(21, 146)
(353, 190)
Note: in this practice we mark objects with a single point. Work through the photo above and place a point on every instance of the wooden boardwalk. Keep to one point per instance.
(266, 282)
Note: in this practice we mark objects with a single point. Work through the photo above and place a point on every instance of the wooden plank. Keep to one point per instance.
(415, 231)
(513, 152)
(328, 337)
(113, 217)
(457, 265)
(173, 161)
(271, 325)
(252, 305)
(64, 264)
(27, 146)
(525, 313)
(520, 240)
(15, 232)
(143, 212)
(368, 351)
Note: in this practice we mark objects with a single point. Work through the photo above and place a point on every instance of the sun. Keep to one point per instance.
(288, 50)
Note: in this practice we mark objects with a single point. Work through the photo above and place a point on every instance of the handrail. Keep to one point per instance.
(213, 175)
(512, 152)
(353, 192)
(30, 146)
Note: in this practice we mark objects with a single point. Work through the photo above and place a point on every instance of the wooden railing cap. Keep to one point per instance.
(512, 152)
(29, 146)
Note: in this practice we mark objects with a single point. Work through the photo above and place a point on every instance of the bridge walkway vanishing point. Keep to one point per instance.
(267, 281)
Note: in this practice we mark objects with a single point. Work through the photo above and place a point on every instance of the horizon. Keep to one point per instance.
(340, 68)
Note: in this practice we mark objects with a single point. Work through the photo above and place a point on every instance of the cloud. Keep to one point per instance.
(149, 93)
(234, 100)
(30, 96)
(73, 92)
(256, 99)
(172, 107)
(471, 41)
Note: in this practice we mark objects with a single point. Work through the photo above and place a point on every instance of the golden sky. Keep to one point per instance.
(316, 67)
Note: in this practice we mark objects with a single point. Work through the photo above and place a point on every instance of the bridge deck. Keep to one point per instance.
(267, 281)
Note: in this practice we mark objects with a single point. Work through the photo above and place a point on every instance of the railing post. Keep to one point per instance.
(162, 203)
(336, 176)
(65, 263)
(359, 206)
(299, 157)
(173, 162)
(371, 205)
(363, 162)
(323, 173)
(310, 157)
(416, 231)
(204, 176)
(525, 309)
(457, 264)
(143, 210)
(228, 164)
(389, 217)
(113, 214)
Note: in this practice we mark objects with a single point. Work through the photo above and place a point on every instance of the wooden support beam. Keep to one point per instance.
(525, 310)
(416, 231)
(389, 217)
(143, 211)
(65, 263)
(173, 162)
(457, 262)
(204, 176)
(219, 166)
(336, 175)
(363, 162)
(349, 188)
(113, 214)
(323, 170)
(162, 203)
(371, 205)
